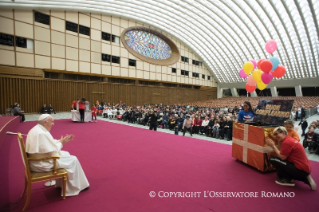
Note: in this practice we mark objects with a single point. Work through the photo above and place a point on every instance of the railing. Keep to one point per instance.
(311, 112)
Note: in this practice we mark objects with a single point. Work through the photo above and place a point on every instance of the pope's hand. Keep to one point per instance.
(66, 138)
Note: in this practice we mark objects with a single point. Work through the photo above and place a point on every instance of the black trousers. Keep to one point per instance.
(303, 131)
(287, 170)
(187, 129)
(21, 116)
(153, 126)
(228, 133)
(221, 133)
(82, 114)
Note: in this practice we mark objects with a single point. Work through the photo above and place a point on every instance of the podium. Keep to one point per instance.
(249, 145)
(76, 116)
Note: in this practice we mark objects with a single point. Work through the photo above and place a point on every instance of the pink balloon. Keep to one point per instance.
(251, 81)
(242, 74)
(254, 63)
(266, 78)
(271, 46)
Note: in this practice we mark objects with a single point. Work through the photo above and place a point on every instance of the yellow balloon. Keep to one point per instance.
(261, 86)
(248, 67)
(257, 75)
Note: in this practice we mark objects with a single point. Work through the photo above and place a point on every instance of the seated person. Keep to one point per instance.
(197, 124)
(246, 115)
(228, 128)
(216, 129)
(44, 109)
(132, 116)
(180, 122)
(160, 119)
(125, 115)
(165, 121)
(171, 123)
(204, 127)
(310, 140)
(291, 162)
(40, 144)
(289, 125)
(51, 109)
(210, 126)
(18, 112)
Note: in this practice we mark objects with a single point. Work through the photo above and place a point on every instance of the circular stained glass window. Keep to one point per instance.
(150, 46)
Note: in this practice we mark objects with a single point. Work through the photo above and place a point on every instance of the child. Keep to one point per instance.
(289, 125)
(94, 112)
(304, 125)
(310, 140)
(216, 129)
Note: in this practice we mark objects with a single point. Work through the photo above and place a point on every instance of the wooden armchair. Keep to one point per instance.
(33, 177)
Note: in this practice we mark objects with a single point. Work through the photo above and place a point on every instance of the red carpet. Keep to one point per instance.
(124, 164)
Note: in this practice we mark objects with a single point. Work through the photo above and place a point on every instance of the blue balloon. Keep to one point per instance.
(275, 62)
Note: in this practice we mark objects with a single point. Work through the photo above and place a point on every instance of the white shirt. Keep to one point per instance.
(205, 123)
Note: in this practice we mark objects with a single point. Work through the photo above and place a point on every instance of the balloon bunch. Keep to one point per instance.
(263, 71)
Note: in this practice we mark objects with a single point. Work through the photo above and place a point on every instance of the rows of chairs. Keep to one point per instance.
(306, 101)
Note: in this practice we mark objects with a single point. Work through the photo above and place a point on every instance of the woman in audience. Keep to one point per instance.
(247, 114)
(289, 125)
(203, 129)
(198, 123)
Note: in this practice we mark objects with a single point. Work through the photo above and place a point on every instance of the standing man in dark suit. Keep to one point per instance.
(228, 127)
(304, 125)
(153, 121)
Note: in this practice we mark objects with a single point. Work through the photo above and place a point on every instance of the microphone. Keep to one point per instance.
(12, 133)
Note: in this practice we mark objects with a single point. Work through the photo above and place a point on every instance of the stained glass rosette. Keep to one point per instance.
(148, 44)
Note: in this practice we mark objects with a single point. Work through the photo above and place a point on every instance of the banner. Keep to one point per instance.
(273, 112)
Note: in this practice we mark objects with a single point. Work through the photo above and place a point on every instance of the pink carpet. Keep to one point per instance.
(124, 164)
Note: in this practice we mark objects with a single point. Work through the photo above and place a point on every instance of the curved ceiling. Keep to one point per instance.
(224, 33)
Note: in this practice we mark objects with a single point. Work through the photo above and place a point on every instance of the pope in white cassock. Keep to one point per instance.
(40, 143)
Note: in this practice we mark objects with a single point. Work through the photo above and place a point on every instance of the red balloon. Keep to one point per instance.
(258, 63)
(266, 66)
(250, 88)
(279, 71)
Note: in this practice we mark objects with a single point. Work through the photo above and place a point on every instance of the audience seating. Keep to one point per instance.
(306, 101)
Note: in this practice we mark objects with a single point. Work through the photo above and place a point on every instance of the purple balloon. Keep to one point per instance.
(242, 74)
(254, 63)
(266, 77)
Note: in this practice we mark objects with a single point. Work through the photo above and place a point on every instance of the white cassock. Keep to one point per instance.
(39, 144)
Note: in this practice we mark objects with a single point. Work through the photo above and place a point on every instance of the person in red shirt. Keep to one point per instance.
(94, 112)
(291, 162)
(197, 124)
(73, 106)
(82, 108)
